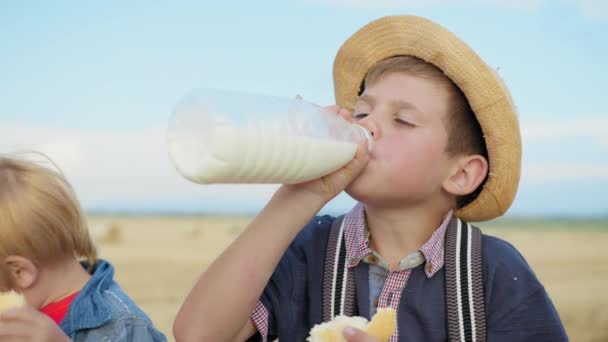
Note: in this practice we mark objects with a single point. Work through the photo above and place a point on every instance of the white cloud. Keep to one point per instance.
(109, 166)
(567, 172)
(589, 132)
(594, 127)
(593, 8)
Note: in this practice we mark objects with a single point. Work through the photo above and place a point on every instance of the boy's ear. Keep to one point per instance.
(466, 175)
(22, 273)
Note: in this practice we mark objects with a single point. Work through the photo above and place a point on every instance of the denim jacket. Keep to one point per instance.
(103, 312)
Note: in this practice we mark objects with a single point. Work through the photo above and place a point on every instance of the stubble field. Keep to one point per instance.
(158, 259)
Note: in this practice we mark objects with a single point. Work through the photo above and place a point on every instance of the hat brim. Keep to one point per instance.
(484, 89)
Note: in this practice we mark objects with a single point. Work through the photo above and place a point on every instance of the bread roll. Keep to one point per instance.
(11, 299)
(382, 326)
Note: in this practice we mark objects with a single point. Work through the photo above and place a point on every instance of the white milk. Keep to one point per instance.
(245, 156)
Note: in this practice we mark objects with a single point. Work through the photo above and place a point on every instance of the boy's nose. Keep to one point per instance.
(371, 126)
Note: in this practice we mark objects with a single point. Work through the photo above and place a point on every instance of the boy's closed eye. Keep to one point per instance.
(404, 122)
(399, 120)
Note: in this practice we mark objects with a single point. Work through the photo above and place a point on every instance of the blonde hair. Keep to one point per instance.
(40, 216)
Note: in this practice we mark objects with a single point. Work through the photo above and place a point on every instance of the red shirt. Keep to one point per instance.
(57, 310)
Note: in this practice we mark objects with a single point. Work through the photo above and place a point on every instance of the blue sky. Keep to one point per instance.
(93, 84)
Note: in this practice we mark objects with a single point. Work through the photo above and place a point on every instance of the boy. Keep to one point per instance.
(42, 233)
(446, 147)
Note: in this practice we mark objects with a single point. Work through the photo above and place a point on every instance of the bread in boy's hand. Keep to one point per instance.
(11, 299)
(382, 326)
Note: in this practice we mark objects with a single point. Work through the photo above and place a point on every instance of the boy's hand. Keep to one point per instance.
(329, 186)
(345, 114)
(355, 335)
(29, 325)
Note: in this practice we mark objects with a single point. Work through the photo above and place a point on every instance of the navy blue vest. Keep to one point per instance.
(517, 305)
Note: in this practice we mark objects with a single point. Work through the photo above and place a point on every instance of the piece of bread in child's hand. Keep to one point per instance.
(11, 299)
(382, 326)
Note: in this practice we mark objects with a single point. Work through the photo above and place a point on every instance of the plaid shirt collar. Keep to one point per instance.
(357, 246)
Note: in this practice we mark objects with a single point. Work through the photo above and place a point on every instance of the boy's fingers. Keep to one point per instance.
(361, 158)
(333, 108)
(341, 179)
(345, 114)
(358, 163)
(355, 335)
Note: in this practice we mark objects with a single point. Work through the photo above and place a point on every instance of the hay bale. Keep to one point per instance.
(111, 235)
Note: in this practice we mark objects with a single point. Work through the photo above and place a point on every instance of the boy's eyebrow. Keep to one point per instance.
(404, 105)
(400, 104)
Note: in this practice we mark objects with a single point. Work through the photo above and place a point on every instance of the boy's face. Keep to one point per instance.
(408, 163)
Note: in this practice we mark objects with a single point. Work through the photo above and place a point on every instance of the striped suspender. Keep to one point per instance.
(338, 280)
(464, 283)
(463, 280)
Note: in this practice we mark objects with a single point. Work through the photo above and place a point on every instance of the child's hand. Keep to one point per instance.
(329, 186)
(29, 325)
(355, 335)
(345, 114)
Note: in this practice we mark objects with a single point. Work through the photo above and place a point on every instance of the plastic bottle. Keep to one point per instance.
(218, 136)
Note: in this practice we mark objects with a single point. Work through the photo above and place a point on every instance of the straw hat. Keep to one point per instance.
(487, 95)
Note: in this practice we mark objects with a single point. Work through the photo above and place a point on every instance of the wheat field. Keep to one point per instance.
(158, 259)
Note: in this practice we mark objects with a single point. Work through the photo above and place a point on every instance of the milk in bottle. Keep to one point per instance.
(230, 137)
